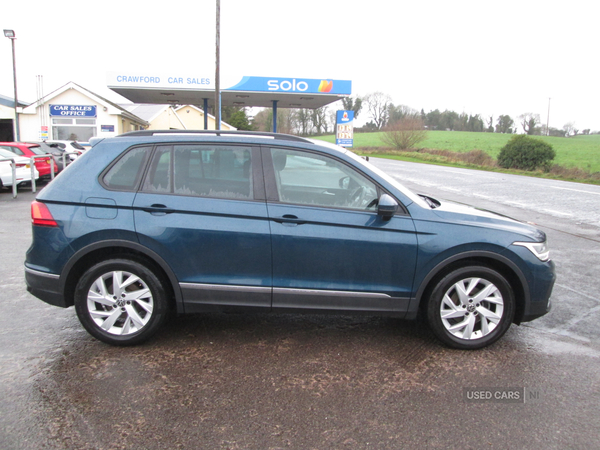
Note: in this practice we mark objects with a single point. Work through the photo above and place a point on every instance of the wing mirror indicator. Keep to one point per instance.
(387, 207)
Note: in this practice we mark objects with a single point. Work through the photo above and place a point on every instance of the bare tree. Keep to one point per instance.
(377, 104)
(405, 133)
(490, 123)
(303, 121)
(570, 129)
(285, 121)
(319, 119)
(263, 120)
(529, 122)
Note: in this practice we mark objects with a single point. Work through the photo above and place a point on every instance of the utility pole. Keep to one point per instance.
(217, 70)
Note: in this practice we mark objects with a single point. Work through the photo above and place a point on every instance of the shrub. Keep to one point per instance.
(404, 133)
(526, 153)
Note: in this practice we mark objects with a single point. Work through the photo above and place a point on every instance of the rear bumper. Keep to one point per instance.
(45, 286)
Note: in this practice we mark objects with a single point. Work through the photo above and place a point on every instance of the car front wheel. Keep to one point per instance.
(120, 302)
(471, 307)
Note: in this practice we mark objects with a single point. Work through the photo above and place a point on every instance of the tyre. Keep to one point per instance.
(471, 307)
(120, 302)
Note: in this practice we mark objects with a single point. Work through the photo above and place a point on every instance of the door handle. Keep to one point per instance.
(289, 219)
(157, 209)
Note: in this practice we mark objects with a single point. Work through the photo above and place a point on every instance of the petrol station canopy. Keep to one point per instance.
(251, 91)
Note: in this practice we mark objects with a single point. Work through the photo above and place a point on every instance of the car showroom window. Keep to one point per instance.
(202, 171)
(126, 172)
(309, 179)
(73, 129)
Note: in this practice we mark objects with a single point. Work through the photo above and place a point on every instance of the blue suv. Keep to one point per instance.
(149, 223)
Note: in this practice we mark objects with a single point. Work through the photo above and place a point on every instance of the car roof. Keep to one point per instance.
(217, 133)
(248, 137)
(20, 144)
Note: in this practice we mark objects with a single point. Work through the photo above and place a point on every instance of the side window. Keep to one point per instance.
(127, 171)
(309, 179)
(15, 150)
(159, 177)
(202, 171)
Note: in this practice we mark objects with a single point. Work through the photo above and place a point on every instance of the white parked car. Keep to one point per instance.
(69, 147)
(23, 171)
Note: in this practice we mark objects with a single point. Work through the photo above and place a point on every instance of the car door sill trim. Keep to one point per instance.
(328, 293)
(226, 287)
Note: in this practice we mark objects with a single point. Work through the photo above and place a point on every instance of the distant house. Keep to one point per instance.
(167, 117)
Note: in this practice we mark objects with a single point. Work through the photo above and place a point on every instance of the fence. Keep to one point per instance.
(32, 159)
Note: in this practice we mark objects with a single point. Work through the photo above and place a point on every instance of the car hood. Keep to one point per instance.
(471, 216)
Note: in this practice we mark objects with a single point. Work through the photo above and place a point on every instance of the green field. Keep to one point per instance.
(580, 151)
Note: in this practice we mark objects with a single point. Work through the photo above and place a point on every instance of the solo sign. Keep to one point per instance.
(73, 110)
(293, 85)
(344, 130)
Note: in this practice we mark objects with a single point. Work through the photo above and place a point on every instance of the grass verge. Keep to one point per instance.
(578, 158)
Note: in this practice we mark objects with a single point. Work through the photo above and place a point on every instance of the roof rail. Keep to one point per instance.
(284, 137)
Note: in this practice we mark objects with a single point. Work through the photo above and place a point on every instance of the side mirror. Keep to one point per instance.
(387, 207)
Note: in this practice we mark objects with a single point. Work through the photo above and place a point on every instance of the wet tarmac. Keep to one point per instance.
(222, 381)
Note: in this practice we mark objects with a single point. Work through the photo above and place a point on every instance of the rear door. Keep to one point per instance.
(202, 208)
(331, 250)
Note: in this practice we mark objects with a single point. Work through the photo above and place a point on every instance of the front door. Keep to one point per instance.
(331, 250)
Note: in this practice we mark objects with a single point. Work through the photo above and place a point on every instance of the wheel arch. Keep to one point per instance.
(93, 253)
(501, 264)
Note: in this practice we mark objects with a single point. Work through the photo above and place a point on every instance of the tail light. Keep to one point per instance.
(41, 216)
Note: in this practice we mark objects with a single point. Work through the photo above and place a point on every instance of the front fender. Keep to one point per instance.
(495, 259)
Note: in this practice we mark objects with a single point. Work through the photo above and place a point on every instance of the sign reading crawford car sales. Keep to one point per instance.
(73, 110)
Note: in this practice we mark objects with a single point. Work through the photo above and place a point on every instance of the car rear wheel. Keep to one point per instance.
(471, 307)
(120, 302)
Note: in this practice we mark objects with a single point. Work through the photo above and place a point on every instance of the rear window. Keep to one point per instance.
(126, 172)
(37, 150)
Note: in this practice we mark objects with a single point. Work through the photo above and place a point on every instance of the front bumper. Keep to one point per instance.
(540, 303)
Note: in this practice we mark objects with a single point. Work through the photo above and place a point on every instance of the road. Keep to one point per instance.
(316, 382)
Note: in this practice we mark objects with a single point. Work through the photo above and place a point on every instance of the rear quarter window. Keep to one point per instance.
(126, 173)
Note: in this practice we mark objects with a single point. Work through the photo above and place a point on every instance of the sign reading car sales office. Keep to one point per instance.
(73, 110)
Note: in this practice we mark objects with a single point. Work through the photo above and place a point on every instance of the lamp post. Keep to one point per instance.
(11, 35)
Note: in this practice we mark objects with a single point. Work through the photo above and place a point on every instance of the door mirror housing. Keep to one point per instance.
(387, 207)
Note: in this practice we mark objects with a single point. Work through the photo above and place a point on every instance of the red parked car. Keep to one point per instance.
(28, 150)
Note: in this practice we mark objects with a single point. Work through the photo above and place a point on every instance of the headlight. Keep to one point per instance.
(539, 249)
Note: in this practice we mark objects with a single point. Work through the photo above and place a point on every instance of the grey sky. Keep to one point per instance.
(478, 57)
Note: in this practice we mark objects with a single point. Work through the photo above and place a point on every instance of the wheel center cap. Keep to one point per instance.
(120, 303)
(471, 308)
